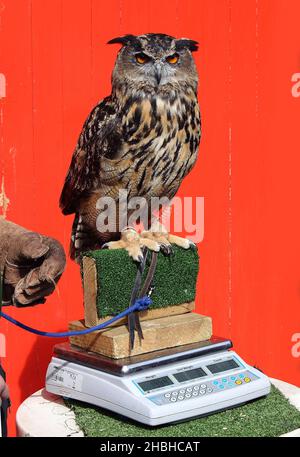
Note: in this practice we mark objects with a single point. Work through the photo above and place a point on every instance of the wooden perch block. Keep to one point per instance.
(90, 291)
(108, 277)
(160, 333)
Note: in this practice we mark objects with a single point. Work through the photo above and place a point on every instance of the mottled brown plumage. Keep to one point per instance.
(144, 137)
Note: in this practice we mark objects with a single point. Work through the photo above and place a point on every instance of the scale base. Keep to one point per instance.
(161, 387)
(129, 365)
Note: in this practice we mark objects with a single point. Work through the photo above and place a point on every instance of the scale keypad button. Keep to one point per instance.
(211, 386)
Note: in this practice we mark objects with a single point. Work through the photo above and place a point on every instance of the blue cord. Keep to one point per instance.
(140, 304)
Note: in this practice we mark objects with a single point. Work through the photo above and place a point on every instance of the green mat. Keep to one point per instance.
(270, 416)
(174, 281)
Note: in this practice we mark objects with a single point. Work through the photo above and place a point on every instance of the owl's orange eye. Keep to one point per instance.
(142, 58)
(173, 59)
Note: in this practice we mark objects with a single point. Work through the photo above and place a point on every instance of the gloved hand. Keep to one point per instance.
(31, 265)
(4, 393)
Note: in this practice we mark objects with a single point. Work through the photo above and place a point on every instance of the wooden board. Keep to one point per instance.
(145, 315)
(90, 292)
(158, 334)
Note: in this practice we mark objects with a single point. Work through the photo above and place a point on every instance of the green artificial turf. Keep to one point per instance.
(270, 416)
(175, 279)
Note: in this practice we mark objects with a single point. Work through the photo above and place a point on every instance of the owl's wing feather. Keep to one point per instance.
(100, 137)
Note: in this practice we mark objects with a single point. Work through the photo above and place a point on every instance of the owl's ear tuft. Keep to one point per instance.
(182, 43)
(123, 40)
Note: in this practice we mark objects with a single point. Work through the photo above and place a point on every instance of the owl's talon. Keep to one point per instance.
(192, 246)
(134, 251)
(166, 249)
(140, 259)
(105, 246)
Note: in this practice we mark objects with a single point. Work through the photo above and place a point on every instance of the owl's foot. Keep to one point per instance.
(165, 240)
(133, 243)
(155, 241)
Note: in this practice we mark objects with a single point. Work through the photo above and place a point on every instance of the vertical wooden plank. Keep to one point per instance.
(16, 158)
(47, 108)
(105, 22)
(265, 185)
(210, 177)
(245, 169)
(135, 17)
(42, 168)
(279, 143)
(16, 107)
(76, 70)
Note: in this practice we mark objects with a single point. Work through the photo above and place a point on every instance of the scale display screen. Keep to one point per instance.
(155, 383)
(222, 366)
(190, 374)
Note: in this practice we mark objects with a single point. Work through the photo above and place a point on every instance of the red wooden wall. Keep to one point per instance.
(57, 66)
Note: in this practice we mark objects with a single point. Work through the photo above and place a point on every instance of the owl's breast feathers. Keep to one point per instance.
(146, 145)
(161, 135)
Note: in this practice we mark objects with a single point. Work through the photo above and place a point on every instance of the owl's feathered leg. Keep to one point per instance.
(80, 239)
(83, 238)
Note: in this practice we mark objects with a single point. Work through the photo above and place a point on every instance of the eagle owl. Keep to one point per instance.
(143, 138)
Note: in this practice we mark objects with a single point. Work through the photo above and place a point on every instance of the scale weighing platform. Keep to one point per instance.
(161, 387)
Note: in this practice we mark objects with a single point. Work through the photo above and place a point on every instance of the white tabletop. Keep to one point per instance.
(44, 414)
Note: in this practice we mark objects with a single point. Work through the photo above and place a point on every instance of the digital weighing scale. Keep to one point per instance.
(161, 387)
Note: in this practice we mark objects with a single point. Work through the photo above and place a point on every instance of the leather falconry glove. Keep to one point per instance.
(30, 265)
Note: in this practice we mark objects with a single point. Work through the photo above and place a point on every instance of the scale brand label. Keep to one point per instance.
(68, 378)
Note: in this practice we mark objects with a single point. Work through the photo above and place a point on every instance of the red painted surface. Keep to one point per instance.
(57, 66)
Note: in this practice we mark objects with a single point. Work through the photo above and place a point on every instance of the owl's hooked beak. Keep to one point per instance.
(157, 73)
